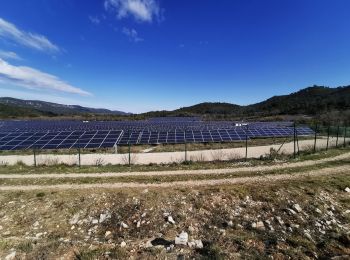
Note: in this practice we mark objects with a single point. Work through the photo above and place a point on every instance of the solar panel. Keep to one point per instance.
(16, 135)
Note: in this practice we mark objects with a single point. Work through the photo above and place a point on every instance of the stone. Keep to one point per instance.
(171, 220)
(108, 234)
(292, 212)
(11, 256)
(74, 220)
(124, 225)
(36, 224)
(104, 217)
(138, 224)
(279, 220)
(347, 189)
(297, 208)
(308, 235)
(170, 248)
(94, 221)
(191, 229)
(230, 223)
(258, 225)
(181, 239)
(198, 244)
(148, 244)
(123, 244)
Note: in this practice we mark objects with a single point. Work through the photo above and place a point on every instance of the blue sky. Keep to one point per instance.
(141, 55)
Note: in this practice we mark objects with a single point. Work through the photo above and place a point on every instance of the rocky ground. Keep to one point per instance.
(299, 219)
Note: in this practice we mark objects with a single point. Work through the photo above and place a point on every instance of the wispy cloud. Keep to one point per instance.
(9, 31)
(132, 34)
(34, 79)
(140, 10)
(9, 55)
(94, 20)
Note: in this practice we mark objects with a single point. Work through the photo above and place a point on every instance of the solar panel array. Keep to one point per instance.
(16, 135)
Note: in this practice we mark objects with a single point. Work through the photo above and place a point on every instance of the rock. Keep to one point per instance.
(138, 224)
(258, 225)
(124, 225)
(11, 256)
(181, 239)
(347, 189)
(104, 217)
(170, 248)
(191, 229)
(292, 212)
(148, 244)
(191, 244)
(108, 234)
(198, 244)
(171, 220)
(308, 235)
(123, 244)
(36, 224)
(297, 208)
(222, 231)
(74, 220)
(318, 211)
(94, 221)
(6, 233)
(230, 223)
(279, 220)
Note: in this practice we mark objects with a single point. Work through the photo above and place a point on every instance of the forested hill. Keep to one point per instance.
(322, 102)
(313, 101)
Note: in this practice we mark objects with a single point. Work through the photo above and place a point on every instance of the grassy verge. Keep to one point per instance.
(21, 168)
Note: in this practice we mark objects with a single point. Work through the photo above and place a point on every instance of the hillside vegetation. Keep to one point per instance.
(322, 103)
(317, 102)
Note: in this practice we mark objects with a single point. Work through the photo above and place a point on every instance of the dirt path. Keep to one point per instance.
(252, 169)
(191, 183)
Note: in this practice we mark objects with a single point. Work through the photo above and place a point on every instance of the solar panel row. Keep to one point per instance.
(59, 140)
(110, 138)
(151, 125)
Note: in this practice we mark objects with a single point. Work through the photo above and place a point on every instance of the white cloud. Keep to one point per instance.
(94, 19)
(9, 31)
(9, 55)
(34, 79)
(141, 10)
(132, 34)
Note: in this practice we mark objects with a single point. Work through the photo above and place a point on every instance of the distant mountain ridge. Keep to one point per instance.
(311, 101)
(36, 107)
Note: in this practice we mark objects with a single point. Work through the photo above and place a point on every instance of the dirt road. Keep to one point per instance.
(191, 183)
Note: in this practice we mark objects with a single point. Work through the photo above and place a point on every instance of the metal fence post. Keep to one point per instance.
(246, 143)
(344, 136)
(336, 142)
(297, 138)
(79, 159)
(185, 150)
(328, 131)
(129, 154)
(294, 135)
(315, 138)
(34, 157)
